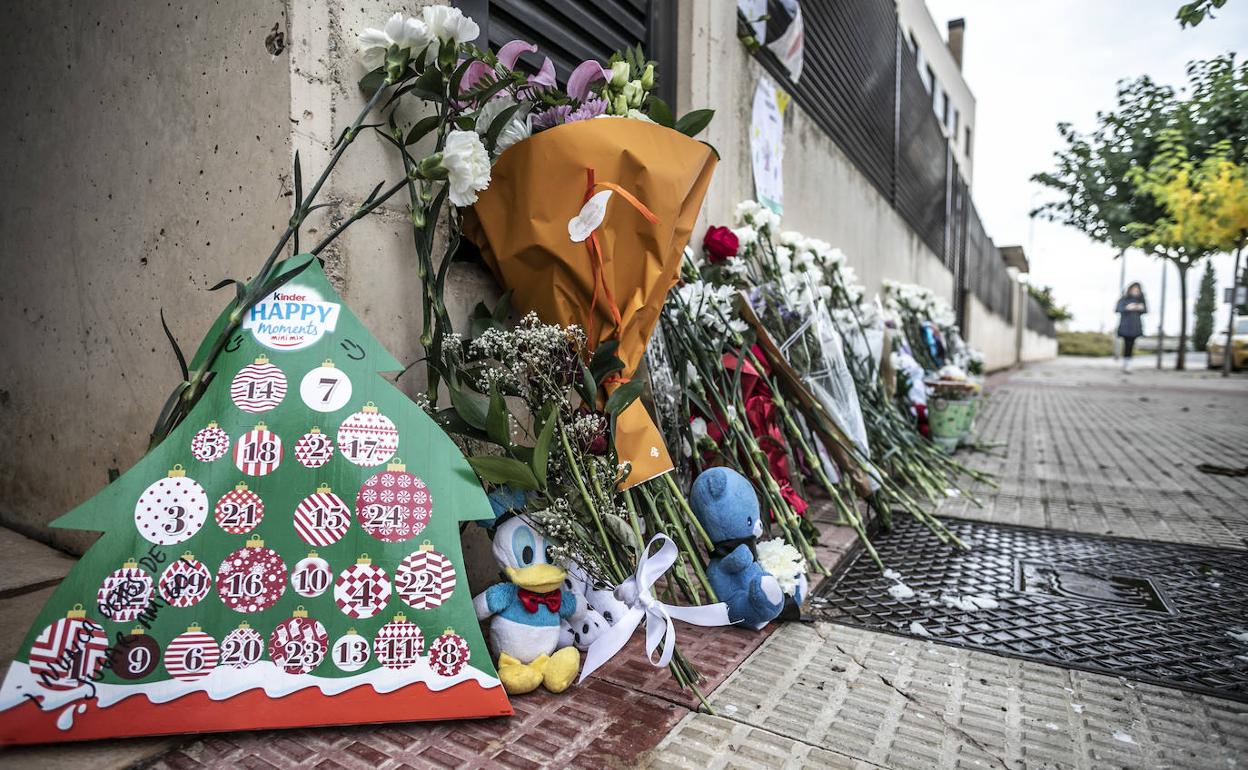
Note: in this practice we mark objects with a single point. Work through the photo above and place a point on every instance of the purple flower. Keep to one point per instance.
(590, 108)
(551, 117)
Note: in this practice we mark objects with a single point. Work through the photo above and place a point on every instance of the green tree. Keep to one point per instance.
(1193, 13)
(1206, 304)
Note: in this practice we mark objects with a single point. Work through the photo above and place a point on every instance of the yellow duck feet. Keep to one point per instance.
(556, 671)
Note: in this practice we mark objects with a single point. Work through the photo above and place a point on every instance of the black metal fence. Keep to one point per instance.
(1038, 318)
(860, 83)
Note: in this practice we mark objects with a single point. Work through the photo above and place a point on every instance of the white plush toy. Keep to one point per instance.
(597, 609)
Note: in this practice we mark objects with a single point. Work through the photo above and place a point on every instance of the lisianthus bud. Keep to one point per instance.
(620, 105)
(633, 92)
(619, 73)
(647, 77)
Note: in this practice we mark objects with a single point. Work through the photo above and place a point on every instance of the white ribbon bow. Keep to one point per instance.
(635, 592)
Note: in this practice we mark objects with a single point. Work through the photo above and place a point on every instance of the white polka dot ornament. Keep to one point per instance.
(172, 509)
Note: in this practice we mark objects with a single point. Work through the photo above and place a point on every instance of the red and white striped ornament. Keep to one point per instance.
(298, 644)
(192, 655)
(240, 510)
(242, 647)
(258, 387)
(448, 654)
(351, 651)
(172, 509)
(368, 437)
(311, 576)
(69, 652)
(210, 443)
(322, 518)
(363, 589)
(425, 578)
(252, 578)
(125, 593)
(399, 643)
(314, 449)
(258, 452)
(185, 582)
(393, 505)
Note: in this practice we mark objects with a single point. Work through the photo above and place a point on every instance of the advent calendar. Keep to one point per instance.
(288, 556)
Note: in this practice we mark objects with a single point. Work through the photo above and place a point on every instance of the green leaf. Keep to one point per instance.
(660, 113)
(503, 470)
(422, 127)
(497, 422)
(588, 387)
(469, 407)
(605, 362)
(623, 396)
(541, 450)
(692, 123)
(503, 308)
(498, 124)
(373, 80)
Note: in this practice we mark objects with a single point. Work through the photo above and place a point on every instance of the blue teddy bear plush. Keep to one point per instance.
(724, 501)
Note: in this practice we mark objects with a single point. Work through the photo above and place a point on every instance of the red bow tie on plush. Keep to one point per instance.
(531, 600)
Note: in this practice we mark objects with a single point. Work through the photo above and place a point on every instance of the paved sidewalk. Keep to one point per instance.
(1083, 448)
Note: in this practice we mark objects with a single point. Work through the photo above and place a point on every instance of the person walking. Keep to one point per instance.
(1130, 309)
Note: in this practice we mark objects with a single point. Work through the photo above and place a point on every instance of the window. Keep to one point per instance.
(925, 72)
(967, 148)
(953, 125)
(940, 103)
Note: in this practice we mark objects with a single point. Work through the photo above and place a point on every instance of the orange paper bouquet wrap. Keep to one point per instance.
(613, 283)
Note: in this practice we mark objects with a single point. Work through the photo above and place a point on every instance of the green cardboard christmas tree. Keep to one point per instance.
(288, 556)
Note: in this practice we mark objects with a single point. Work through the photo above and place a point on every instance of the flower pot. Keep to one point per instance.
(949, 421)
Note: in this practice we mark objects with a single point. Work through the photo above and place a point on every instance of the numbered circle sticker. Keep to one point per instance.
(311, 576)
(325, 388)
(210, 443)
(298, 644)
(251, 579)
(135, 655)
(425, 578)
(185, 582)
(258, 451)
(125, 593)
(192, 655)
(242, 647)
(322, 518)
(393, 505)
(362, 590)
(258, 387)
(399, 643)
(240, 510)
(314, 449)
(368, 437)
(70, 651)
(448, 653)
(351, 652)
(171, 510)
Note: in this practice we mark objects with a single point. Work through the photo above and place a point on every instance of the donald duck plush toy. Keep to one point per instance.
(526, 609)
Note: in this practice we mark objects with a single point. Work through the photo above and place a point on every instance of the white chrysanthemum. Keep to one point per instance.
(783, 562)
(448, 23)
(516, 129)
(410, 33)
(468, 165)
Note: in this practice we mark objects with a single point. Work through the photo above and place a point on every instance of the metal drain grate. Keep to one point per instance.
(1171, 614)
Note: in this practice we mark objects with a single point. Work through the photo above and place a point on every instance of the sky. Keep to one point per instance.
(1034, 63)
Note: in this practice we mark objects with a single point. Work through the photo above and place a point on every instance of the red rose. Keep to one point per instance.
(720, 243)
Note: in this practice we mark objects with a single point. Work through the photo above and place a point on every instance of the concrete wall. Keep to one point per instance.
(824, 194)
(1037, 347)
(992, 334)
(144, 150)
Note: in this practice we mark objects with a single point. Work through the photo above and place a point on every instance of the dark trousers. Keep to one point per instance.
(1128, 346)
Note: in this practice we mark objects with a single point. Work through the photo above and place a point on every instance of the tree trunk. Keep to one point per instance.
(1180, 362)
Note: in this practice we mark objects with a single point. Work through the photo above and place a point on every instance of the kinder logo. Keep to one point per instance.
(291, 318)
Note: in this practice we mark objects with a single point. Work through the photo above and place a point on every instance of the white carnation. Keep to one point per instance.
(468, 165)
(783, 562)
(410, 33)
(448, 23)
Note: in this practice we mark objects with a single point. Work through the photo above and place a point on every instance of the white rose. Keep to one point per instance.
(448, 23)
(410, 33)
(467, 164)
